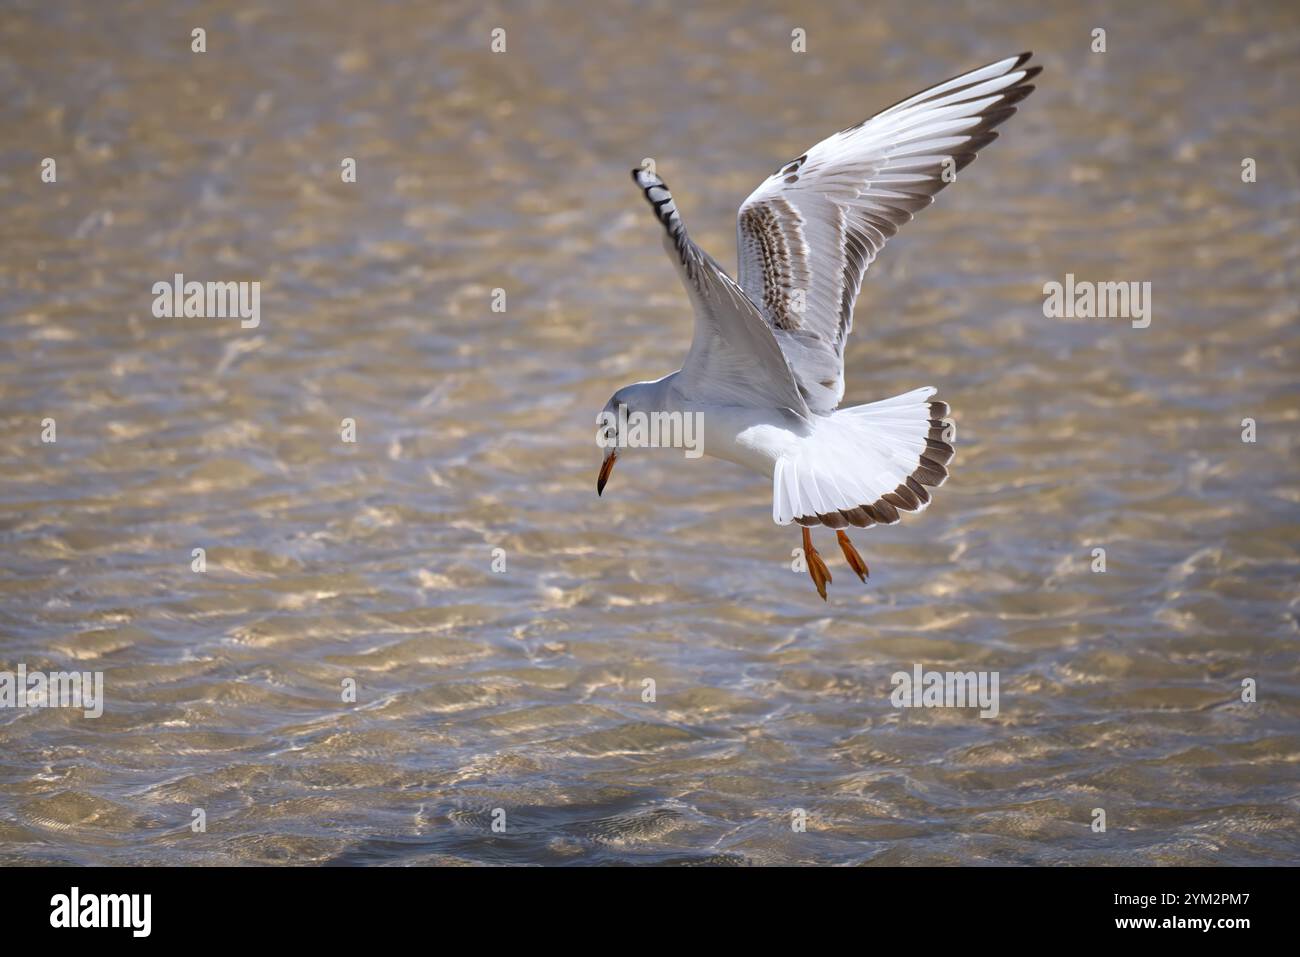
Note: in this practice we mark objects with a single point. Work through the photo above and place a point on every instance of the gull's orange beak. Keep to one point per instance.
(606, 467)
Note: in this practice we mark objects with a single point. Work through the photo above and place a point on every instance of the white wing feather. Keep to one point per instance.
(734, 357)
(806, 236)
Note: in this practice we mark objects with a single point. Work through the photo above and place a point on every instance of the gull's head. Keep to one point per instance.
(610, 426)
(639, 398)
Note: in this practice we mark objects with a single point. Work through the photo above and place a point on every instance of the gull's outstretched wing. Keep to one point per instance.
(806, 236)
(734, 357)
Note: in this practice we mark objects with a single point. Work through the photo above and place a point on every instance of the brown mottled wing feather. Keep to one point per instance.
(806, 236)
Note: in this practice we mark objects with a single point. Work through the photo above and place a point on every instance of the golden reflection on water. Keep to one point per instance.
(523, 689)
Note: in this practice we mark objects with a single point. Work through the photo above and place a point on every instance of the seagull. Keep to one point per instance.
(765, 372)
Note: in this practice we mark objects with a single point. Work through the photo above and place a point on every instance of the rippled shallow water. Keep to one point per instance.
(522, 690)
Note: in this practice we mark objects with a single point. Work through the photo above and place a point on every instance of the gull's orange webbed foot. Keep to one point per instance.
(821, 575)
(851, 555)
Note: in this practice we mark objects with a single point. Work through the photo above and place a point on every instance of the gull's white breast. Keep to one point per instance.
(754, 438)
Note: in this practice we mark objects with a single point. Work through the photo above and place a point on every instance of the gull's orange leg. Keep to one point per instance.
(851, 555)
(816, 567)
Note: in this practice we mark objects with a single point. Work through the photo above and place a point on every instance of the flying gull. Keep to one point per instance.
(765, 372)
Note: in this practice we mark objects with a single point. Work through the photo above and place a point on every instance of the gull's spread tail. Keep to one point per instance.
(861, 466)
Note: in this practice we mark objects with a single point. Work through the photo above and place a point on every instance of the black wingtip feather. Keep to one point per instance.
(1016, 94)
